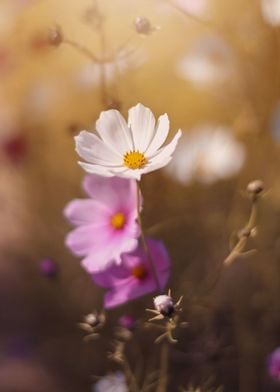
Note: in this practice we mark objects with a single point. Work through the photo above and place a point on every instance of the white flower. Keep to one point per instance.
(207, 154)
(114, 382)
(271, 11)
(193, 7)
(208, 60)
(126, 149)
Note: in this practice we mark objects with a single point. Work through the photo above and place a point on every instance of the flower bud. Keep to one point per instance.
(92, 319)
(164, 305)
(48, 268)
(142, 25)
(255, 187)
(55, 36)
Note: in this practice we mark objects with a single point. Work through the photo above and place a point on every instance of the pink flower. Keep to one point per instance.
(273, 364)
(133, 278)
(105, 224)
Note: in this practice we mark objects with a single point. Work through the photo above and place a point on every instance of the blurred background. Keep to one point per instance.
(214, 67)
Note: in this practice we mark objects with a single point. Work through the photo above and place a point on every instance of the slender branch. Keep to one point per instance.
(248, 230)
(163, 376)
(144, 242)
(82, 49)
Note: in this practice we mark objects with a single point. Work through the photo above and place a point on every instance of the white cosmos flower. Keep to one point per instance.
(126, 149)
(271, 11)
(207, 154)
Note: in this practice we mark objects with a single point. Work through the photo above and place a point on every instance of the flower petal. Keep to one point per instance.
(115, 192)
(96, 169)
(87, 211)
(165, 151)
(142, 123)
(160, 135)
(113, 130)
(94, 150)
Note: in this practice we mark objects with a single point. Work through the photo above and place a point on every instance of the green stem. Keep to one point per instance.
(144, 242)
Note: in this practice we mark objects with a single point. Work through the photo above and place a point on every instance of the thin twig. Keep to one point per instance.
(163, 376)
(144, 242)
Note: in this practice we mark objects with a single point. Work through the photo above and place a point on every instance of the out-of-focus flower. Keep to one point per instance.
(106, 223)
(273, 364)
(193, 7)
(126, 149)
(48, 268)
(271, 11)
(133, 278)
(127, 321)
(275, 123)
(91, 74)
(207, 154)
(114, 382)
(14, 147)
(208, 60)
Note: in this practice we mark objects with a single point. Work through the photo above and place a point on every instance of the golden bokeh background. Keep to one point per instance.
(50, 90)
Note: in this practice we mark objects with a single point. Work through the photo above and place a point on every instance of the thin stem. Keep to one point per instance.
(163, 377)
(144, 242)
(133, 386)
(246, 232)
(82, 49)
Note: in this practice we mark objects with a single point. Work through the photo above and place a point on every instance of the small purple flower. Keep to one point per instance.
(273, 364)
(127, 321)
(133, 278)
(105, 224)
(48, 268)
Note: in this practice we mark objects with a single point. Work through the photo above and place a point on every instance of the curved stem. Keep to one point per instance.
(82, 49)
(144, 242)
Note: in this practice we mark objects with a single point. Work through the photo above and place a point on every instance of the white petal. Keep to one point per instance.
(167, 150)
(96, 169)
(160, 134)
(114, 131)
(94, 150)
(142, 123)
(155, 166)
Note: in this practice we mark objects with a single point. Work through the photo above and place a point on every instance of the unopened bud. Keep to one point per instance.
(55, 36)
(92, 319)
(164, 305)
(255, 187)
(142, 25)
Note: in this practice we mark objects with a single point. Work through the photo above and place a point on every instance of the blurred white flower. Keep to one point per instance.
(207, 154)
(194, 7)
(275, 123)
(114, 382)
(271, 11)
(208, 60)
(90, 75)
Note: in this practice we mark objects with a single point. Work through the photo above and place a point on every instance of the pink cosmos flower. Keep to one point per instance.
(105, 224)
(133, 278)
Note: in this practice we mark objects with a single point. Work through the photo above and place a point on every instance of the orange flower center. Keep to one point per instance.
(118, 220)
(139, 271)
(134, 160)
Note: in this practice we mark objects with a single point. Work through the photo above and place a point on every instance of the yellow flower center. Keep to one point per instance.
(118, 220)
(134, 160)
(139, 271)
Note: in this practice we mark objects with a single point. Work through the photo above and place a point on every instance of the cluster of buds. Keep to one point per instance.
(91, 324)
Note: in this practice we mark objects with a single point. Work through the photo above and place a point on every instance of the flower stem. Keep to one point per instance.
(144, 242)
